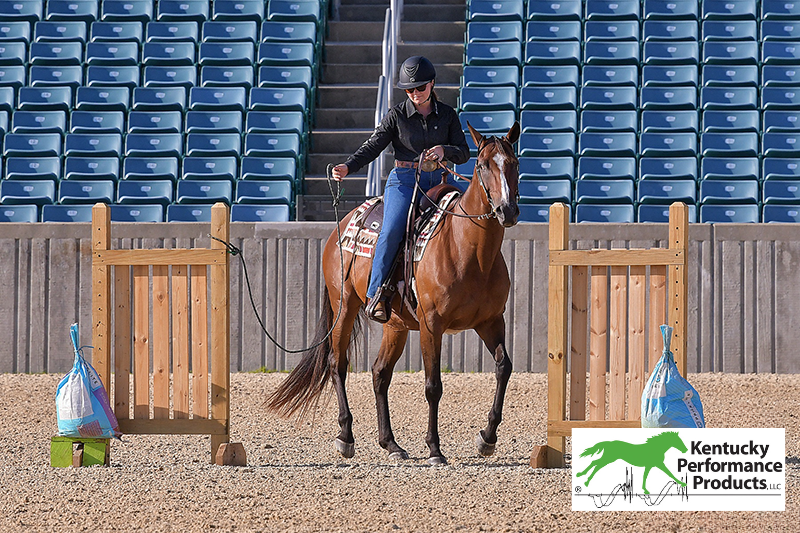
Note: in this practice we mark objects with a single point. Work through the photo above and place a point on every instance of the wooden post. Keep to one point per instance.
(101, 296)
(678, 282)
(220, 327)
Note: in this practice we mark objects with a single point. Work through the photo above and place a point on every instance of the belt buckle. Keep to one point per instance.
(429, 166)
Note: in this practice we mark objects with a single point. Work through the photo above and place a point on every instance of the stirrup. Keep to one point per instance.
(378, 308)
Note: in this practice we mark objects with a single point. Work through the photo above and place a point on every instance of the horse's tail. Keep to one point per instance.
(597, 448)
(301, 390)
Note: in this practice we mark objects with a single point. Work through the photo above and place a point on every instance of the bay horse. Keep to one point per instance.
(462, 283)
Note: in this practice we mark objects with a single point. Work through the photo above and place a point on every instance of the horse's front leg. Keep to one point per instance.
(493, 334)
(431, 345)
(340, 343)
(392, 346)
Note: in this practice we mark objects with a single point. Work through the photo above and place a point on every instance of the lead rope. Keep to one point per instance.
(234, 251)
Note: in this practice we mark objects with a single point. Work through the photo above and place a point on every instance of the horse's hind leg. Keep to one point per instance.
(391, 348)
(340, 342)
(493, 335)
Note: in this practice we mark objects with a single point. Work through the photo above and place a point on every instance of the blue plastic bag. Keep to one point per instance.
(668, 400)
(82, 402)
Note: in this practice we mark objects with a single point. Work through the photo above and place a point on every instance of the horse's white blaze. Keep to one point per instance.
(500, 161)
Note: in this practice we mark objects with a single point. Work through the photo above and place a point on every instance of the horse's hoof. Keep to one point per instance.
(437, 460)
(402, 455)
(484, 448)
(346, 449)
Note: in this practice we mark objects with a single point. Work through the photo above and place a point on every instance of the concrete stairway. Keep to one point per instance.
(348, 87)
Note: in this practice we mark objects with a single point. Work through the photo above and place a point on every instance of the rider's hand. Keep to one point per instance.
(435, 154)
(339, 172)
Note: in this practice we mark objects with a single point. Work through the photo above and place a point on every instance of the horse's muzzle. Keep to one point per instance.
(507, 214)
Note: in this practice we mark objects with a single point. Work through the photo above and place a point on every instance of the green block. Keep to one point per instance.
(60, 453)
(94, 453)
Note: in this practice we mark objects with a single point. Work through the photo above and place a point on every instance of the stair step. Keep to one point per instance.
(409, 31)
(356, 96)
(319, 207)
(368, 52)
(341, 140)
(344, 119)
(344, 73)
(445, 13)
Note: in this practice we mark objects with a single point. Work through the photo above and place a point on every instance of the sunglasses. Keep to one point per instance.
(420, 89)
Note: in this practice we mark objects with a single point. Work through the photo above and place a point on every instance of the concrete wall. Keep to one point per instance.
(744, 295)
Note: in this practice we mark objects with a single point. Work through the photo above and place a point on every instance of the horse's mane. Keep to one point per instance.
(662, 436)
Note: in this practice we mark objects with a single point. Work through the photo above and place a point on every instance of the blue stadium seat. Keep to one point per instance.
(32, 145)
(496, 31)
(4, 122)
(785, 98)
(600, 191)
(15, 31)
(536, 212)
(286, 54)
(609, 98)
(278, 31)
(780, 52)
(155, 122)
(722, 121)
(238, 10)
(214, 144)
(116, 76)
(611, 53)
(214, 122)
(117, 32)
(732, 52)
(780, 144)
(222, 98)
(730, 75)
(271, 76)
(210, 168)
(615, 213)
(533, 121)
(780, 76)
(229, 76)
(488, 121)
(14, 77)
(19, 213)
(154, 145)
(275, 122)
(738, 214)
(667, 168)
(550, 98)
(85, 192)
(550, 75)
(562, 10)
(137, 213)
(725, 98)
(181, 10)
(159, 99)
(552, 30)
(617, 30)
(547, 145)
(781, 213)
(658, 213)
(26, 168)
(475, 76)
(601, 168)
(669, 98)
(557, 53)
(779, 10)
(259, 213)
(781, 192)
(292, 10)
(39, 122)
(102, 99)
(27, 192)
(172, 31)
(273, 99)
(156, 168)
(272, 145)
(729, 11)
(730, 30)
(671, 53)
(669, 75)
(670, 30)
(70, 10)
(67, 213)
(780, 30)
(172, 76)
(490, 10)
(91, 168)
(168, 54)
(535, 168)
(204, 192)
(268, 168)
(775, 168)
(593, 120)
(46, 53)
(668, 144)
(729, 144)
(125, 10)
(545, 191)
(665, 192)
(627, 75)
(41, 98)
(47, 76)
(229, 31)
(495, 53)
(14, 54)
(111, 54)
(667, 121)
(729, 192)
(729, 168)
(617, 10)
(29, 11)
(222, 54)
(145, 192)
(607, 144)
(264, 192)
(59, 31)
(487, 99)
(93, 144)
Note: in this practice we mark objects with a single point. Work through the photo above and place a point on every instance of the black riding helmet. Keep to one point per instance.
(414, 72)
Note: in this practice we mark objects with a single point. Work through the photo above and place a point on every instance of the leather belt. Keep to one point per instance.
(427, 166)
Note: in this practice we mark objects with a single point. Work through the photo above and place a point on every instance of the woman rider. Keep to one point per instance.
(419, 125)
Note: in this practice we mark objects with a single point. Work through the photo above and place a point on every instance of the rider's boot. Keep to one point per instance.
(379, 307)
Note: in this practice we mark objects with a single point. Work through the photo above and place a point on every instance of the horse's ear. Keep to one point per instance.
(513, 134)
(476, 137)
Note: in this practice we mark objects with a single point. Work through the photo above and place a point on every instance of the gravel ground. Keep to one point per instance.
(295, 481)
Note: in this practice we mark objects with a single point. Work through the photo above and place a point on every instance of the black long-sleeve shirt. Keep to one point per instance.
(410, 133)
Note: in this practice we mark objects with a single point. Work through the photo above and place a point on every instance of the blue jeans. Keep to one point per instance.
(396, 201)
